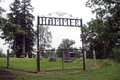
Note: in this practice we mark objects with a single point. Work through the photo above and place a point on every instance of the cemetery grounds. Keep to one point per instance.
(25, 69)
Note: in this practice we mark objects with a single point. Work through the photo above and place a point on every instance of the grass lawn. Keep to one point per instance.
(107, 71)
(30, 64)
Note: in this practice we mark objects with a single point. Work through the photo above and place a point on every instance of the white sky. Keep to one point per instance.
(76, 8)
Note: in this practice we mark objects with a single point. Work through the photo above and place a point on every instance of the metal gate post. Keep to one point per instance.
(38, 53)
(8, 58)
(82, 46)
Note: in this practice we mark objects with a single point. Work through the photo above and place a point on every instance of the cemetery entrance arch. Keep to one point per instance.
(55, 21)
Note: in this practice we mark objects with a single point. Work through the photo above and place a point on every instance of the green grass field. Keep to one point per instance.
(107, 71)
(30, 64)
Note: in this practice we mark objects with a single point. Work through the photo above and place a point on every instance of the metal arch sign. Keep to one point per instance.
(52, 21)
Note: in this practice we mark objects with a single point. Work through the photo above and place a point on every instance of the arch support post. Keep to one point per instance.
(38, 50)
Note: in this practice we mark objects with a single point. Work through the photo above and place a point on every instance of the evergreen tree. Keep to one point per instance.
(8, 29)
(20, 14)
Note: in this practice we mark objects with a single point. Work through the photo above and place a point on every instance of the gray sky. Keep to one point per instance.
(76, 8)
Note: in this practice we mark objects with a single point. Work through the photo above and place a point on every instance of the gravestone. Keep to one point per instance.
(72, 56)
(52, 58)
(67, 55)
(27, 56)
(32, 55)
(36, 56)
(63, 55)
(81, 56)
(14, 55)
(22, 56)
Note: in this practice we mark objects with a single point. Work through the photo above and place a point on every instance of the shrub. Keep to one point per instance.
(116, 54)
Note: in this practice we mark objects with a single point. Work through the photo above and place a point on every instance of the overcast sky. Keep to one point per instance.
(76, 8)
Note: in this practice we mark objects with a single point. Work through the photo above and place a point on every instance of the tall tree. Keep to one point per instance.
(20, 14)
(14, 17)
(8, 29)
(92, 39)
(108, 12)
(27, 24)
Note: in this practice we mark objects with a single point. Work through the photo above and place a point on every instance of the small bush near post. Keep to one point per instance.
(116, 54)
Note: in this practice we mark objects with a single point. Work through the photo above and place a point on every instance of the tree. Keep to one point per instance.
(27, 25)
(91, 37)
(45, 37)
(47, 54)
(116, 54)
(20, 14)
(8, 29)
(1, 53)
(108, 12)
(65, 43)
(14, 17)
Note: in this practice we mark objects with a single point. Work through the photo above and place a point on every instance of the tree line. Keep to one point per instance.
(103, 33)
(17, 30)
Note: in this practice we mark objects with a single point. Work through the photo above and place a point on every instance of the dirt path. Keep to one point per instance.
(11, 76)
(5, 75)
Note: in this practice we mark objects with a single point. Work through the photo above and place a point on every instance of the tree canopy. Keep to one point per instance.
(66, 43)
(103, 33)
(45, 38)
(18, 28)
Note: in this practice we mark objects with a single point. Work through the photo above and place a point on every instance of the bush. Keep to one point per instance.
(108, 62)
(116, 54)
(1, 53)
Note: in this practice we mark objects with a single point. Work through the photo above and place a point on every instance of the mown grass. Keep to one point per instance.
(30, 64)
(108, 71)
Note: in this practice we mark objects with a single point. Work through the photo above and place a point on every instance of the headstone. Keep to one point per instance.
(14, 55)
(81, 56)
(32, 55)
(67, 55)
(52, 58)
(72, 56)
(27, 56)
(22, 56)
(36, 56)
(56, 56)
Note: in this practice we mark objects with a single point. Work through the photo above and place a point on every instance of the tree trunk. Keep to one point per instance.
(23, 45)
(14, 47)
(23, 53)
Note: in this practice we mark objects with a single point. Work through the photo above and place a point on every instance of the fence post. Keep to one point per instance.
(7, 58)
(85, 60)
(94, 56)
